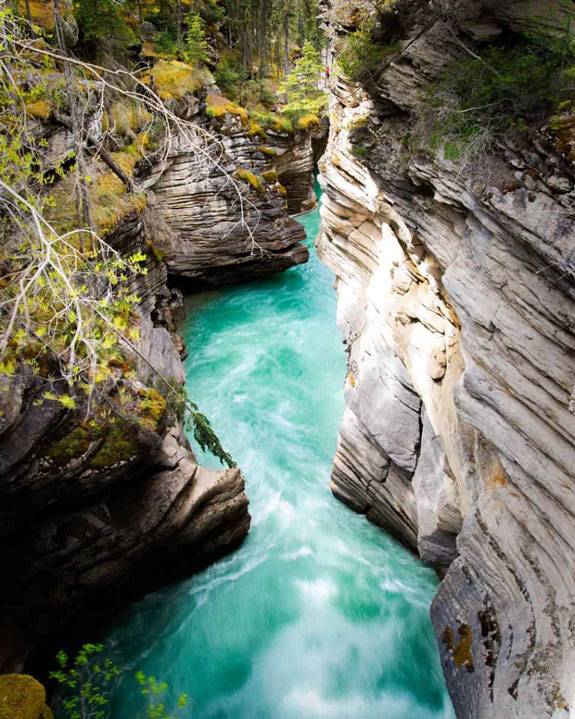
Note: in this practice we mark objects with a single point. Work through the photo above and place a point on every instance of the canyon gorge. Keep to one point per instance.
(454, 270)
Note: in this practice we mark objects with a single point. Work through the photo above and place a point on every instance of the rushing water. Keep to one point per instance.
(319, 615)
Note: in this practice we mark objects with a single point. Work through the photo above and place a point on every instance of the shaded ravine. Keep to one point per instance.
(318, 614)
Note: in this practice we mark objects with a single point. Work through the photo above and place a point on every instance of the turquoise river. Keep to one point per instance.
(319, 615)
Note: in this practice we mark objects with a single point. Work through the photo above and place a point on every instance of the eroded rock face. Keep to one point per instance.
(91, 505)
(218, 231)
(216, 227)
(456, 303)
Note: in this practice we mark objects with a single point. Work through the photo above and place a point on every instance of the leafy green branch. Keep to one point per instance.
(86, 682)
(66, 308)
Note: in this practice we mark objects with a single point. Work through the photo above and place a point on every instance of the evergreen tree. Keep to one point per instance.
(302, 84)
(196, 50)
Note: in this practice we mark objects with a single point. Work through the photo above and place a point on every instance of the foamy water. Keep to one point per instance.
(319, 615)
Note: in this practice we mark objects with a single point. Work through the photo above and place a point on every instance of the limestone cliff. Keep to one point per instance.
(222, 226)
(227, 220)
(101, 501)
(105, 500)
(456, 302)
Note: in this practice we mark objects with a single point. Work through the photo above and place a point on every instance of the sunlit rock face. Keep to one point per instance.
(456, 304)
(219, 227)
(218, 230)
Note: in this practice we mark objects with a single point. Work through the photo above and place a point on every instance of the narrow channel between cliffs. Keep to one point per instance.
(318, 614)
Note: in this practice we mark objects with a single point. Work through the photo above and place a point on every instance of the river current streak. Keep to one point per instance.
(319, 615)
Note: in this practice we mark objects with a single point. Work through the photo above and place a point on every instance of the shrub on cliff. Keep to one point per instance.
(86, 683)
(501, 88)
(364, 51)
(362, 56)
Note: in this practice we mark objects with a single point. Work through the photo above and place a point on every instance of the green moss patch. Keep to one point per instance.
(270, 176)
(22, 697)
(120, 445)
(75, 443)
(253, 180)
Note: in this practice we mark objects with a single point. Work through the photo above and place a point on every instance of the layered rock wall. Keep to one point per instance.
(456, 303)
(94, 504)
(226, 220)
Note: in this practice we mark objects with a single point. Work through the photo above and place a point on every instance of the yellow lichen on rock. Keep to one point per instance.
(253, 180)
(218, 106)
(110, 203)
(270, 152)
(127, 118)
(270, 176)
(257, 131)
(461, 650)
(174, 79)
(40, 109)
(308, 122)
(22, 697)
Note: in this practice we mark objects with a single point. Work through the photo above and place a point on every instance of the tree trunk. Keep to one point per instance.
(100, 150)
(28, 12)
(286, 44)
(58, 25)
(263, 39)
(286, 51)
(179, 24)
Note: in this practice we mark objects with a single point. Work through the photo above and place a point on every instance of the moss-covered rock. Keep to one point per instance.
(270, 176)
(152, 409)
(74, 444)
(39, 108)
(219, 106)
(104, 441)
(109, 200)
(308, 122)
(253, 180)
(257, 131)
(121, 444)
(22, 697)
(174, 79)
(270, 152)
